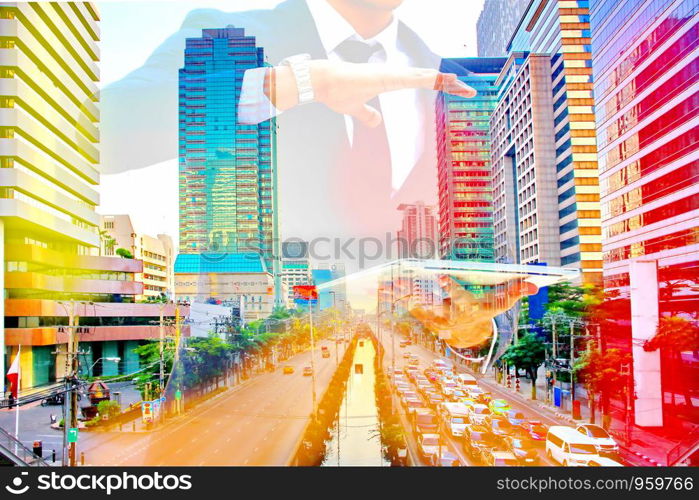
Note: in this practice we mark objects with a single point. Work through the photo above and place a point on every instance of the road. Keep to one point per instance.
(426, 357)
(256, 423)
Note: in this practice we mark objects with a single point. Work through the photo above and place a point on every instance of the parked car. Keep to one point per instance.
(567, 446)
(428, 446)
(478, 413)
(523, 450)
(606, 446)
(515, 417)
(499, 406)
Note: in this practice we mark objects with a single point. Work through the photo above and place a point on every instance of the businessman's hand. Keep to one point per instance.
(468, 322)
(347, 87)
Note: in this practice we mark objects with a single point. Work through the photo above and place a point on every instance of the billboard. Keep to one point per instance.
(305, 294)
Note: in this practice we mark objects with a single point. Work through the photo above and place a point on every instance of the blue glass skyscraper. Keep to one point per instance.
(227, 170)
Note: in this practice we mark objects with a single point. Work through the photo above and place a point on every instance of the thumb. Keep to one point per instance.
(367, 115)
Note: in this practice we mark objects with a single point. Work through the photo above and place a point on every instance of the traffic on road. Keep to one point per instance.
(453, 421)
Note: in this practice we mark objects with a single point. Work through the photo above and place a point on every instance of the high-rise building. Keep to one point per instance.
(49, 230)
(228, 176)
(296, 267)
(647, 101)
(496, 23)
(417, 237)
(464, 174)
(560, 32)
(156, 252)
(524, 178)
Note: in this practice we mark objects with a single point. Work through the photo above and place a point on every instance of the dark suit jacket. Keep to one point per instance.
(140, 120)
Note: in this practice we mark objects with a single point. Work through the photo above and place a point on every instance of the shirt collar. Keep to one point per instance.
(333, 29)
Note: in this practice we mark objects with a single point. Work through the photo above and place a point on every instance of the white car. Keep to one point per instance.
(603, 441)
(478, 414)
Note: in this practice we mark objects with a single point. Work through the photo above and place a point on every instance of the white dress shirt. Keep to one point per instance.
(402, 113)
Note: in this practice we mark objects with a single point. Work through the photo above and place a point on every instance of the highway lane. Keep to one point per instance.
(425, 356)
(257, 423)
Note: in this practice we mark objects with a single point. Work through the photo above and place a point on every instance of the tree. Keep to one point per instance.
(528, 354)
(149, 355)
(124, 253)
(604, 374)
(107, 240)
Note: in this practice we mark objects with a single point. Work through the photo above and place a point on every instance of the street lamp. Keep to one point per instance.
(115, 360)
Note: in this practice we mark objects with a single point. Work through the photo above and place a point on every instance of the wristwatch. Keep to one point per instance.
(302, 73)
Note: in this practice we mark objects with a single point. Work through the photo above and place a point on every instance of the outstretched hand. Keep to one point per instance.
(468, 321)
(347, 87)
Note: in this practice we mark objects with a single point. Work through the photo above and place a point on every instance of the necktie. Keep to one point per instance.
(364, 176)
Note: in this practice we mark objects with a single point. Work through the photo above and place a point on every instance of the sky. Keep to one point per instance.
(131, 30)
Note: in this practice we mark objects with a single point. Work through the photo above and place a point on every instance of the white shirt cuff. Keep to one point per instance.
(254, 106)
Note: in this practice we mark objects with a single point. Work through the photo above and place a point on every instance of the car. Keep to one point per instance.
(288, 370)
(468, 402)
(407, 355)
(425, 421)
(307, 371)
(447, 386)
(404, 343)
(477, 437)
(478, 413)
(428, 446)
(603, 462)
(434, 398)
(536, 430)
(606, 446)
(501, 428)
(499, 458)
(448, 459)
(515, 417)
(457, 395)
(569, 447)
(411, 405)
(523, 449)
(499, 406)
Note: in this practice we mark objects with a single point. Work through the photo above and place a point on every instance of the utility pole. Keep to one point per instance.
(73, 360)
(313, 355)
(554, 348)
(572, 362)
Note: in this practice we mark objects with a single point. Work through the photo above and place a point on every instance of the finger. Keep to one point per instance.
(367, 115)
(450, 84)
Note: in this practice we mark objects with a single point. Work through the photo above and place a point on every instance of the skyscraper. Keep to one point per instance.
(51, 274)
(645, 69)
(417, 236)
(495, 25)
(228, 174)
(560, 31)
(463, 163)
